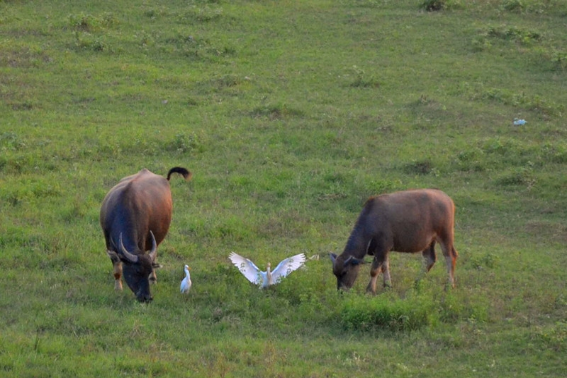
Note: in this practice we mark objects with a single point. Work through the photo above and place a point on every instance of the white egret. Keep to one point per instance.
(186, 283)
(267, 278)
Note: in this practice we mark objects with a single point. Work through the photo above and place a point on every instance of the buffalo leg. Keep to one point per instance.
(153, 276)
(117, 265)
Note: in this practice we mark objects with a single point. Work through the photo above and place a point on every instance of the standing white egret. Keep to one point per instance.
(186, 283)
(267, 278)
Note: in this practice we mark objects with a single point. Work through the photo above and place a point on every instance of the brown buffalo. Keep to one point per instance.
(408, 221)
(135, 217)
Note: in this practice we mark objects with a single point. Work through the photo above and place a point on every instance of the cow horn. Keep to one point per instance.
(127, 255)
(153, 252)
(353, 261)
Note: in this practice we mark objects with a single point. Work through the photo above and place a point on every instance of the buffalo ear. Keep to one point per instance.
(124, 259)
(113, 256)
(333, 257)
(116, 257)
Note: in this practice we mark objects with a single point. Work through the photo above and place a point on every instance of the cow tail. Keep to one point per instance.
(182, 171)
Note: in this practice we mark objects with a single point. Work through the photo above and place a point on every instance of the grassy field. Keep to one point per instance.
(290, 114)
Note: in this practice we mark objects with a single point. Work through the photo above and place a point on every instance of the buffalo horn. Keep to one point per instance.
(129, 256)
(153, 252)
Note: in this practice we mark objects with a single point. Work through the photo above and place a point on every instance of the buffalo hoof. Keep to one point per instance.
(118, 285)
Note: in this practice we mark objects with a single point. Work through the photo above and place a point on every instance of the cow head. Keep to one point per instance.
(137, 269)
(346, 270)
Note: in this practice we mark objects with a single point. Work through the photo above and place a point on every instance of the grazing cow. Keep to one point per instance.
(135, 217)
(408, 221)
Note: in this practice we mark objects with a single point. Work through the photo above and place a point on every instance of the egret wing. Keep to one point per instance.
(185, 285)
(246, 267)
(285, 267)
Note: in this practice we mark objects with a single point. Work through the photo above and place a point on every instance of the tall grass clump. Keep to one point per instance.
(362, 79)
(558, 58)
(387, 312)
(530, 6)
(90, 23)
(438, 5)
(424, 306)
(553, 337)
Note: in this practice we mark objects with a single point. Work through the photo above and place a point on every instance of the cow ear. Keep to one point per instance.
(333, 257)
(156, 266)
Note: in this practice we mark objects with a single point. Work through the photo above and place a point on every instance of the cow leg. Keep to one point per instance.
(374, 271)
(379, 264)
(450, 259)
(386, 272)
(429, 256)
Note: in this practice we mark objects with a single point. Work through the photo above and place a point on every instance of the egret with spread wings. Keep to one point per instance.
(267, 278)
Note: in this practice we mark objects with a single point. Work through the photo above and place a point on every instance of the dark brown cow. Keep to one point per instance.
(409, 221)
(135, 217)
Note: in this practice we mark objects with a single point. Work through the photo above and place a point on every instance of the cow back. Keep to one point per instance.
(409, 220)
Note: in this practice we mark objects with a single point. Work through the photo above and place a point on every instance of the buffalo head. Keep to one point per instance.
(137, 268)
(346, 270)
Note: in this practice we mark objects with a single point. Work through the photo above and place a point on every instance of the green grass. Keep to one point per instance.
(290, 114)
